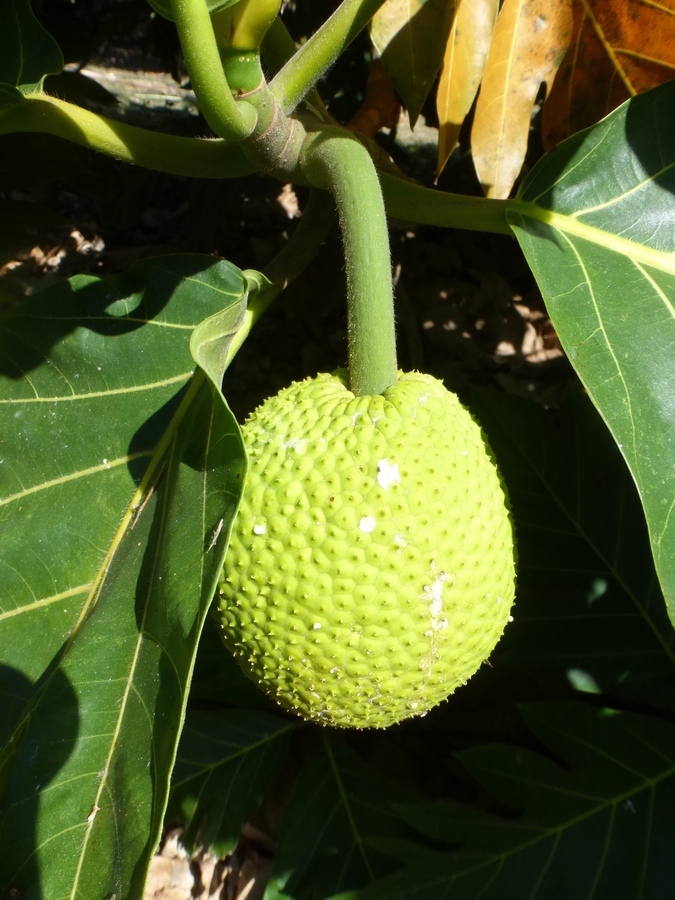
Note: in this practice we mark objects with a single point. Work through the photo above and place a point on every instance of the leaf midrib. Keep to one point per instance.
(568, 224)
(606, 804)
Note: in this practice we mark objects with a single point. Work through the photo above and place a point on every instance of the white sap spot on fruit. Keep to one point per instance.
(367, 524)
(424, 398)
(258, 529)
(295, 444)
(413, 704)
(464, 453)
(387, 473)
(316, 625)
(499, 599)
(355, 417)
(434, 594)
(333, 670)
(400, 541)
(510, 618)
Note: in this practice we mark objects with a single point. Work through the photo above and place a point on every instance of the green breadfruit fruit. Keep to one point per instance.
(371, 567)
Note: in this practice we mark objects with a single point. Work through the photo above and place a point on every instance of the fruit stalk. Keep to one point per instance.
(342, 165)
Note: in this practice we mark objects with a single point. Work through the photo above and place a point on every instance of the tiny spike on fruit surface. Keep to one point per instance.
(371, 567)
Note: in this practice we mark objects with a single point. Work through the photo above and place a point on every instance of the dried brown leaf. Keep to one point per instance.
(619, 48)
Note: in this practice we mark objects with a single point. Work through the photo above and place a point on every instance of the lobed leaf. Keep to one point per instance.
(595, 221)
(589, 610)
(338, 807)
(112, 543)
(600, 825)
(226, 759)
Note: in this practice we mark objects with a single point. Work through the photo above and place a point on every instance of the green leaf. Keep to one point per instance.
(596, 221)
(212, 340)
(589, 609)
(163, 7)
(410, 36)
(27, 51)
(112, 542)
(603, 826)
(338, 807)
(226, 759)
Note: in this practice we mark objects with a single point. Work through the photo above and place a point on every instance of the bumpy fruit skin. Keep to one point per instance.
(371, 566)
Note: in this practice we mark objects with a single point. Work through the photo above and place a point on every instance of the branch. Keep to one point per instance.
(315, 57)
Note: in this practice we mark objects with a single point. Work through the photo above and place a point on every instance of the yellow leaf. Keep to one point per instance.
(530, 40)
(465, 56)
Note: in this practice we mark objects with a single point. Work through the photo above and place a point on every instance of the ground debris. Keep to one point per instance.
(241, 875)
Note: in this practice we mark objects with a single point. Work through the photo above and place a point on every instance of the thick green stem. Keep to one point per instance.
(277, 48)
(414, 203)
(339, 163)
(162, 152)
(315, 57)
(229, 119)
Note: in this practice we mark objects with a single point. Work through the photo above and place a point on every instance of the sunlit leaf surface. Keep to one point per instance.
(111, 546)
(527, 46)
(411, 36)
(596, 221)
(463, 64)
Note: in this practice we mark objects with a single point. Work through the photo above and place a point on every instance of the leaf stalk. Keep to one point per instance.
(230, 119)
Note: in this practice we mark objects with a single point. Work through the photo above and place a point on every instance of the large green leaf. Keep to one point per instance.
(339, 805)
(226, 759)
(120, 477)
(27, 51)
(601, 825)
(589, 609)
(596, 221)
